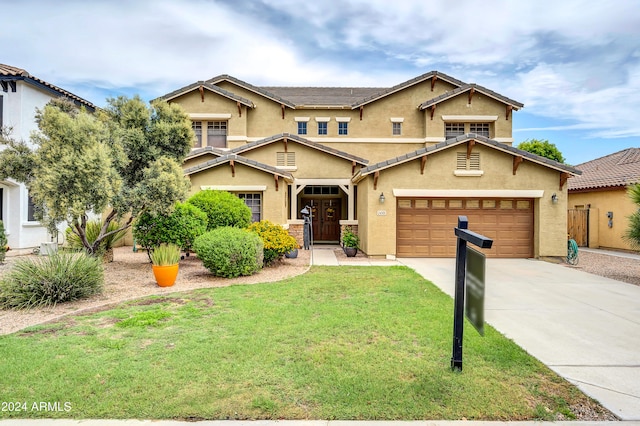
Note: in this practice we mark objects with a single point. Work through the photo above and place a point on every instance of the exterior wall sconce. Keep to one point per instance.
(554, 198)
(382, 198)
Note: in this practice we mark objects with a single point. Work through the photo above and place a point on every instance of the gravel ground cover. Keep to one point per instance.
(615, 267)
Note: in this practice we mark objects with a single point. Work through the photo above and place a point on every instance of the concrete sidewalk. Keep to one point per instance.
(584, 327)
(292, 423)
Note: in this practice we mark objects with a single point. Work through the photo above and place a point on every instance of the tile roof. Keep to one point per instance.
(251, 87)
(457, 141)
(13, 74)
(619, 169)
(341, 97)
(209, 86)
(205, 150)
(242, 160)
(324, 96)
(466, 88)
(302, 141)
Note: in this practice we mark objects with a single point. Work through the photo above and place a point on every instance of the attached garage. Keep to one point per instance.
(425, 225)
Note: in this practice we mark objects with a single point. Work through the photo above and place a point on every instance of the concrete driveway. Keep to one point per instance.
(584, 327)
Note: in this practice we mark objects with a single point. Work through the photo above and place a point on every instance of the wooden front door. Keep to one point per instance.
(326, 220)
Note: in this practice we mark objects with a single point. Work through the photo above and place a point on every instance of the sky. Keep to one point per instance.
(574, 64)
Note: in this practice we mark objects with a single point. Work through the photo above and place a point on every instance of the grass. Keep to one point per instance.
(361, 343)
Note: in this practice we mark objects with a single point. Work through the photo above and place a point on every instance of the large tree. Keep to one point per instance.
(121, 161)
(543, 148)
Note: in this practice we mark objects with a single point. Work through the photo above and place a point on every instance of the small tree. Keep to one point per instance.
(222, 209)
(632, 234)
(543, 148)
(123, 160)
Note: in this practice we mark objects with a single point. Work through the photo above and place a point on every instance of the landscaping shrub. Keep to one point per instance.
(275, 238)
(47, 280)
(3, 242)
(181, 227)
(230, 252)
(222, 209)
(92, 232)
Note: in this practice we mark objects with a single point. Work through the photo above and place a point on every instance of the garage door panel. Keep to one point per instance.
(428, 232)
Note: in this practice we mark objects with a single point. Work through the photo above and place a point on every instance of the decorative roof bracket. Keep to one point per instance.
(275, 177)
(433, 109)
(433, 81)
(470, 145)
(563, 179)
(509, 109)
(471, 93)
(282, 107)
(239, 109)
(517, 159)
(376, 175)
(423, 162)
(233, 168)
(201, 88)
(361, 109)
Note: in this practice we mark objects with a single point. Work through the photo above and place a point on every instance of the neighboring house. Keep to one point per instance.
(397, 164)
(21, 94)
(599, 202)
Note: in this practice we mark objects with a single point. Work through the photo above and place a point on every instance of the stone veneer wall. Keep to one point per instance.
(297, 232)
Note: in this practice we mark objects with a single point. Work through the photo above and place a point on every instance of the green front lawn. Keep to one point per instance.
(335, 343)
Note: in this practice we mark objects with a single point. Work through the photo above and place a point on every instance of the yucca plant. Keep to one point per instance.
(93, 230)
(165, 254)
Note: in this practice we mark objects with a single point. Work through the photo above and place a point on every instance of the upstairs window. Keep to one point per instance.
(481, 129)
(217, 134)
(197, 129)
(302, 127)
(322, 128)
(452, 130)
(396, 129)
(343, 128)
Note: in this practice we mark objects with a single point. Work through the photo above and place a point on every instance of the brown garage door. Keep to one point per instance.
(425, 225)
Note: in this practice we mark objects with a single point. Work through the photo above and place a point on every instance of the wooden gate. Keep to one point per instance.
(578, 226)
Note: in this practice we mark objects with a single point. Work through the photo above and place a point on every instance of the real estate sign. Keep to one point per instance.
(474, 299)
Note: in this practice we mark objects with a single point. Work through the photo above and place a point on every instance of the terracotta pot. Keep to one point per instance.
(165, 275)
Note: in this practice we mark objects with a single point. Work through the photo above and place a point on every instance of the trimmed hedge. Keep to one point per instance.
(181, 227)
(47, 280)
(275, 238)
(230, 252)
(222, 209)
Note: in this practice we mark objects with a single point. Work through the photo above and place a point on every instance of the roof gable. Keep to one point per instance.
(302, 141)
(468, 88)
(10, 75)
(615, 170)
(258, 90)
(392, 162)
(202, 85)
(228, 158)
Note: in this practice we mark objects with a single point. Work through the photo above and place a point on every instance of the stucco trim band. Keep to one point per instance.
(466, 193)
(235, 188)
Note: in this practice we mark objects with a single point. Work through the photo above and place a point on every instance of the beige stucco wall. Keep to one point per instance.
(616, 201)
(379, 237)
(273, 202)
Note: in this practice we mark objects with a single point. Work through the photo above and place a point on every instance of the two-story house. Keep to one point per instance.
(398, 164)
(21, 94)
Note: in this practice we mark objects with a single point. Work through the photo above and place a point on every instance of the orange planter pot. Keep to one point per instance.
(165, 275)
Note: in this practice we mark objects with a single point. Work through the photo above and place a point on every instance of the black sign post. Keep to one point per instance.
(464, 236)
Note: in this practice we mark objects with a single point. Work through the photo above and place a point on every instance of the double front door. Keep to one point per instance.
(326, 219)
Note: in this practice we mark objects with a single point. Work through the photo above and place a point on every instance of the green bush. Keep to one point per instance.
(230, 252)
(222, 209)
(180, 227)
(3, 242)
(275, 238)
(92, 232)
(47, 280)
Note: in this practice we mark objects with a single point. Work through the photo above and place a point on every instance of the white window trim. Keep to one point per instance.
(302, 118)
(343, 119)
(397, 119)
(469, 118)
(236, 188)
(205, 117)
(468, 173)
(322, 119)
